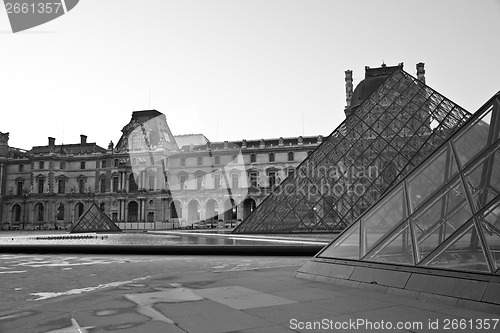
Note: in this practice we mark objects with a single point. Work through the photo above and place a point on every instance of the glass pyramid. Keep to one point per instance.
(381, 141)
(94, 220)
(445, 214)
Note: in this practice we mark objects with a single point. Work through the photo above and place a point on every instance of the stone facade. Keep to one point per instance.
(146, 181)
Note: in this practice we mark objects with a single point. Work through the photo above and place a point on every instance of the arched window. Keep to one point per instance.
(39, 212)
(16, 212)
(60, 212)
(133, 211)
(271, 157)
(253, 158)
(79, 210)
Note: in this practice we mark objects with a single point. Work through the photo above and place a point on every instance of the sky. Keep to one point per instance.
(232, 69)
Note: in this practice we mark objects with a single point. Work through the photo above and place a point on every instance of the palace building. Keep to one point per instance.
(150, 179)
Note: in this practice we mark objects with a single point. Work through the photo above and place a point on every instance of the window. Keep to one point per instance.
(234, 180)
(61, 186)
(21, 167)
(254, 177)
(41, 165)
(132, 185)
(199, 181)
(60, 212)
(200, 160)
(151, 216)
(290, 157)
(41, 182)
(116, 162)
(103, 164)
(62, 165)
(81, 185)
(217, 160)
(114, 216)
(183, 161)
(134, 161)
(115, 184)
(20, 187)
(290, 172)
(103, 185)
(271, 157)
(217, 184)
(253, 158)
(136, 142)
(151, 182)
(272, 178)
(97, 164)
(182, 182)
(17, 213)
(82, 165)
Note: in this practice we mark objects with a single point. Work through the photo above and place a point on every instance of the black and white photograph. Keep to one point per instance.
(259, 166)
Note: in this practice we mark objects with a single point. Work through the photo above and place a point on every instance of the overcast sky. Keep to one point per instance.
(235, 69)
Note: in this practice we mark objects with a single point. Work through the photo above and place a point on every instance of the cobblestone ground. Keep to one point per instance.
(27, 280)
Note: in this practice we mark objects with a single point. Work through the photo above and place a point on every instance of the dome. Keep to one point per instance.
(374, 78)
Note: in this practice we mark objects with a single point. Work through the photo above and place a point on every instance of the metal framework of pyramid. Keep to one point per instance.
(94, 220)
(444, 214)
(381, 141)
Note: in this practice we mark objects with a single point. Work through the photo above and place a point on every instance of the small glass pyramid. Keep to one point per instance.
(94, 220)
(450, 205)
(401, 123)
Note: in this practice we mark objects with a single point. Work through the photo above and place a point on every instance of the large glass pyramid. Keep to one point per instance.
(382, 140)
(94, 220)
(445, 214)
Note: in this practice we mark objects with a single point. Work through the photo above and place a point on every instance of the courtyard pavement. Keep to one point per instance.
(79, 293)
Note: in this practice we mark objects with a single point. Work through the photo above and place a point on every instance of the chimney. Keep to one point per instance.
(83, 139)
(348, 87)
(52, 141)
(421, 72)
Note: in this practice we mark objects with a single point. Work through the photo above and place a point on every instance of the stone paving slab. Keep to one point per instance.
(178, 296)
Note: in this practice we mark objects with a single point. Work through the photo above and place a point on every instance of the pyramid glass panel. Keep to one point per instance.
(490, 224)
(382, 140)
(347, 245)
(396, 248)
(380, 221)
(453, 204)
(463, 253)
